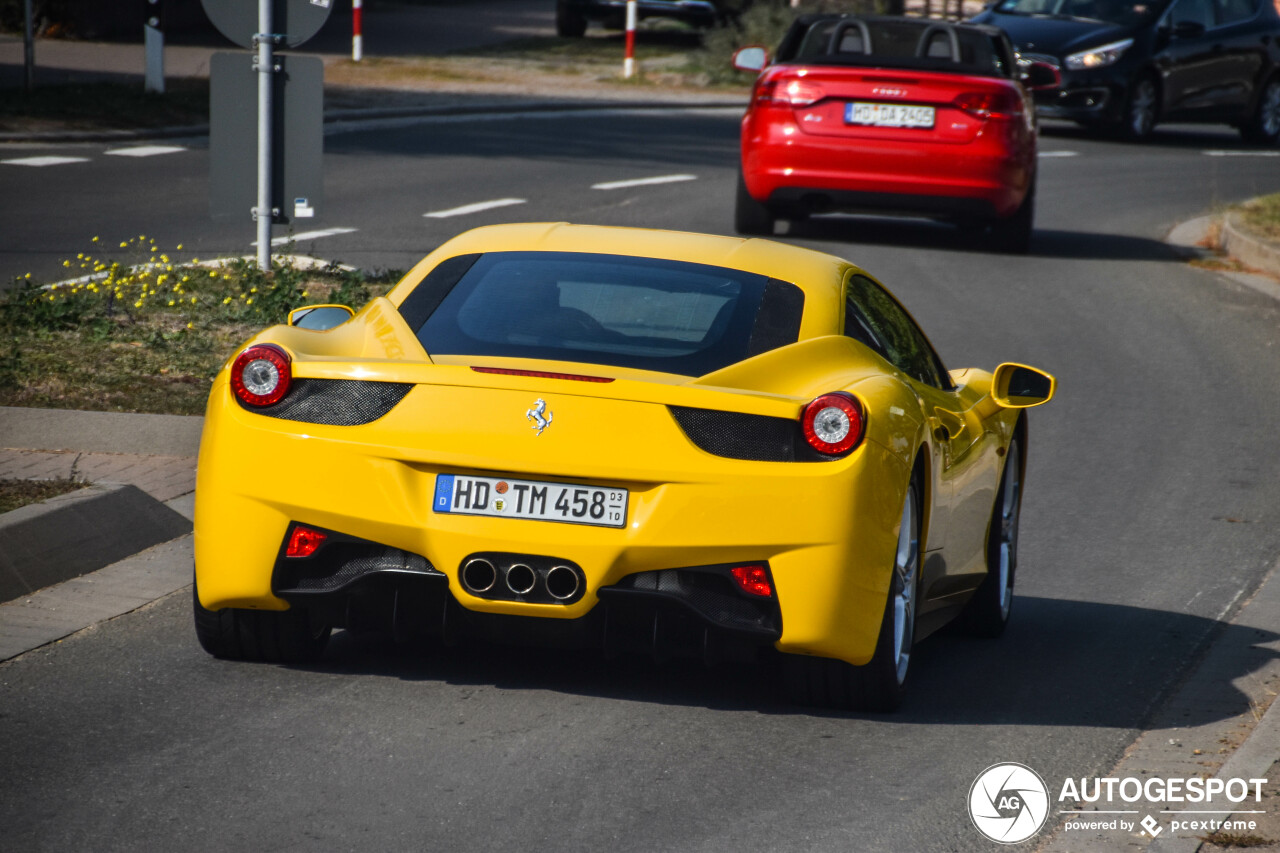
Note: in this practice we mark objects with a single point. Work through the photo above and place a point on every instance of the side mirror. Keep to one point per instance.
(1188, 30)
(320, 317)
(1017, 386)
(753, 58)
(1041, 75)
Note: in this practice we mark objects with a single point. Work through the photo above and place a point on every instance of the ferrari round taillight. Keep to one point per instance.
(261, 375)
(833, 424)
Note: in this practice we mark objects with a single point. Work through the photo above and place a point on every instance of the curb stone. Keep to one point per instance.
(78, 533)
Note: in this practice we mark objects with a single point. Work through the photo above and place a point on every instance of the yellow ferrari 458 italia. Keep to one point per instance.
(619, 438)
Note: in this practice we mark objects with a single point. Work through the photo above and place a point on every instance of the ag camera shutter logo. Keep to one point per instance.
(1008, 803)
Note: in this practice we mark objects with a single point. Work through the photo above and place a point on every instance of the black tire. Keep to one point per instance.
(881, 683)
(270, 636)
(1013, 235)
(1263, 127)
(750, 216)
(570, 23)
(1141, 109)
(987, 613)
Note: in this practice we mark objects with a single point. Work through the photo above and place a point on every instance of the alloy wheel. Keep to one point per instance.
(906, 565)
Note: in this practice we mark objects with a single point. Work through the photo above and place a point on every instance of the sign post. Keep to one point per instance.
(264, 213)
(153, 47)
(290, 114)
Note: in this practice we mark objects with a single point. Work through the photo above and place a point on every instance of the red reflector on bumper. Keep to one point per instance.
(753, 580)
(303, 542)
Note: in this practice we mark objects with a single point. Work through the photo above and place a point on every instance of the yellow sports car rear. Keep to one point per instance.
(614, 438)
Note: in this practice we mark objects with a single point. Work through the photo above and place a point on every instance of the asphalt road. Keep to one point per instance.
(1150, 514)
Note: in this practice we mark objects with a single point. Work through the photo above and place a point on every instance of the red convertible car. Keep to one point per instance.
(891, 115)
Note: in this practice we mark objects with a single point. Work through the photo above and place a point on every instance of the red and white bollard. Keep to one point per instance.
(357, 31)
(629, 64)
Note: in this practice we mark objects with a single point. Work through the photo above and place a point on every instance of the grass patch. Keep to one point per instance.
(1262, 216)
(18, 493)
(110, 105)
(146, 335)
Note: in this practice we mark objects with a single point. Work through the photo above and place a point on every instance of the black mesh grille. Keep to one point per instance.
(734, 435)
(343, 563)
(336, 402)
(707, 591)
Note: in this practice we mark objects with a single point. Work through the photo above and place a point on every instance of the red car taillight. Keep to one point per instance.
(788, 92)
(304, 541)
(833, 424)
(997, 105)
(753, 580)
(261, 375)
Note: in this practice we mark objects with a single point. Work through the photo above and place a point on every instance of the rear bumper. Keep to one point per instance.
(812, 173)
(826, 530)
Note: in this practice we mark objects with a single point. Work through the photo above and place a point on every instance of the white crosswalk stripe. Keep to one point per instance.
(48, 160)
(145, 150)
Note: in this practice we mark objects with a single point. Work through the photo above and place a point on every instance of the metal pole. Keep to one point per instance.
(266, 71)
(629, 64)
(28, 49)
(357, 31)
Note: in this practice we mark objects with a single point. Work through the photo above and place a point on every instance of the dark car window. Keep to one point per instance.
(1124, 12)
(683, 318)
(893, 43)
(874, 318)
(1234, 11)
(1194, 12)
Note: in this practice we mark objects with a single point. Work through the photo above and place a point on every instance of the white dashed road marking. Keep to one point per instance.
(146, 150)
(1059, 153)
(1242, 153)
(474, 208)
(309, 235)
(44, 161)
(643, 182)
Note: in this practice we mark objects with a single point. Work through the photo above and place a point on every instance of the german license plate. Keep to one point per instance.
(887, 115)
(505, 498)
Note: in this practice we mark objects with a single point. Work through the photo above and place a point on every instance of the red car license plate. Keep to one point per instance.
(888, 115)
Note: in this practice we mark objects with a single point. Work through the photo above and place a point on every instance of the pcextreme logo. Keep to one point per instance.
(1008, 803)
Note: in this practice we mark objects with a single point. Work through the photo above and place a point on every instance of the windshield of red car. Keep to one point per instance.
(671, 316)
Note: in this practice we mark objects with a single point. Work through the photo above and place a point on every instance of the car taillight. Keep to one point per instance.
(987, 104)
(754, 580)
(794, 93)
(833, 424)
(261, 375)
(304, 541)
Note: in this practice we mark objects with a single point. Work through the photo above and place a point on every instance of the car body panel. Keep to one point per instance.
(1215, 75)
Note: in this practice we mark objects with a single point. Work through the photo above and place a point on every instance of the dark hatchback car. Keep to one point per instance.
(1128, 64)
(572, 15)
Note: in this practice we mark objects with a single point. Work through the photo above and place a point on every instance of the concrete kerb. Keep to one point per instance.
(1189, 238)
(74, 534)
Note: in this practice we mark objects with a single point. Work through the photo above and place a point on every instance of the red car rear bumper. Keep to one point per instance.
(814, 173)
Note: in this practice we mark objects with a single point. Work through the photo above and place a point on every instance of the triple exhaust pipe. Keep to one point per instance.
(520, 577)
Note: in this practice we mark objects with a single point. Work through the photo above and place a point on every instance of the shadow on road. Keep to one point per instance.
(919, 233)
(1171, 136)
(1061, 663)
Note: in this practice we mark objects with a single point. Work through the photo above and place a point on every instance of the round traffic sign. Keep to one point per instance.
(296, 20)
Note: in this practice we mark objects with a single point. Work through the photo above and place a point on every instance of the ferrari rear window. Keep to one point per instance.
(670, 316)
